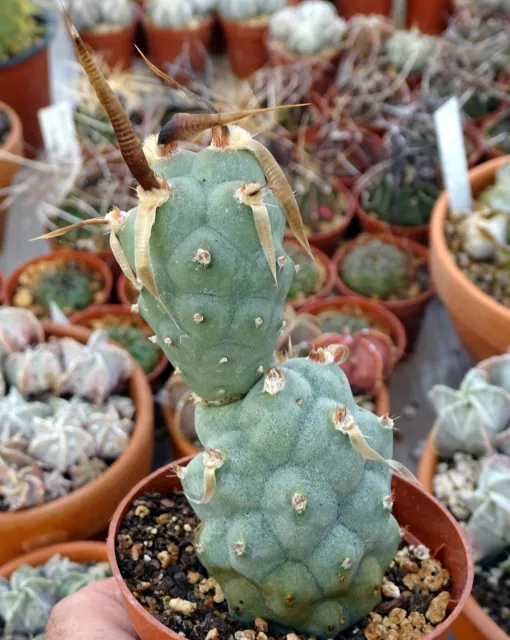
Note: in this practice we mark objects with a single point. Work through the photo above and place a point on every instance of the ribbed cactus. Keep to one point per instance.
(375, 268)
(243, 10)
(178, 14)
(20, 29)
(410, 50)
(101, 15)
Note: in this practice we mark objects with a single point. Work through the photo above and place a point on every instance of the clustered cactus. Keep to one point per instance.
(308, 29)
(27, 598)
(49, 444)
(301, 537)
(101, 15)
(21, 27)
(179, 14)
(410, 50)
(249, 10)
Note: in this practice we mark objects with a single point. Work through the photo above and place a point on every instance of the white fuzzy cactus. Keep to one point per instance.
(34, 371)
(101, 15)
(309, 28)
(110, 432)
(410, 49)
(178, 14)
(242, 10)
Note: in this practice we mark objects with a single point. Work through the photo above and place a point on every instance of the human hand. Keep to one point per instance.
(95, 612)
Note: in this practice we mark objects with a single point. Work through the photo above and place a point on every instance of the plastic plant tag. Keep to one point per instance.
(59, 133)
(452, 153)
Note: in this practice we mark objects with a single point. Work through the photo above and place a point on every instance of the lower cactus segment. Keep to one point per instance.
(297, 525)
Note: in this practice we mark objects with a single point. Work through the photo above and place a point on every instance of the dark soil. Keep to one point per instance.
(158, 562)
(5, 127)
(491, 589)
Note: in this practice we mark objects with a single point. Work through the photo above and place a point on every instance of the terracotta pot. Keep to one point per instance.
(382, 317)
(471, 311)
(115, 47)
(323, 259)
(409, 312)
(420, 233)
(25, 83)
(489, 121)
(86, 511)
(123, 290)
(473, 623)
(2, 288)
(428, 17)
(246, 46)
(84, 319)
(106, 255)
(413, 508)
(349, 8)
(81, 551)
(166, 45)
(88, 259)
(9, 168)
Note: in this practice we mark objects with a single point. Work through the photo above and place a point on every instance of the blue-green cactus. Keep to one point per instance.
(299, 527)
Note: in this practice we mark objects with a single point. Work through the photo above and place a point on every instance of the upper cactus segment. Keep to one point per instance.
(476, 418)
(101, 15)
(297, 523)
(242, 10)
(308, 28)
(178, 13)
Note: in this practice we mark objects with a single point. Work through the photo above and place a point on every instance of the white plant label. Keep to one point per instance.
(452, 153)
(59, 133)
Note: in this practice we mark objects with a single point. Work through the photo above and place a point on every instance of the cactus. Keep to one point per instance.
(310, 275)
(70, 288)
(497, 196)
(17, 415)
(135, 341)
(332, 322)
(497, 134)
(35, 371)
(410, 50)
(476, 418)
(101, 15)
(19, 329)
(20, 28)
(20, 488)
(178, 14)
(321, 207)
(244, 10)
(110, 432)
(86, 470)
(308, 29)
(27, 598)
(488, 529)
(375, 268)
(301, 537)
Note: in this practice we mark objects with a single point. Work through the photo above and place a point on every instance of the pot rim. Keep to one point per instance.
(472, 610)
(161, 628)
(203, 25)
(143, 416)
(16, 128)
(49, 19)
(326, 263)
(438, 240)
(407, 245)
(106, 35)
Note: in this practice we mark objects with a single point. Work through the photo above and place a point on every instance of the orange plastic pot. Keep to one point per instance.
(25, 83)
(373, 310)
(349, 8)
(474, 623)
(85, 318)
(165, 45)
(9, 168)
(88, 259)
(115, 47)
(326, 263)
(409, 312)
(428, 17)
(86, 511)
(427, 521)
(482, 324)
(80, 551)
(246, 46)
(124, 291)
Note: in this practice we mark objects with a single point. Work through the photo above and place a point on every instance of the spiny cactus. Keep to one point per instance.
(70, 288)
(20, 28)
(301, 537)
(135, 341)
(243, 10)
(101, 15)
(375, 268)
(27, 598)
(410, 50)
(308, 29)
(476, 418)
(178, 14)
(489, 526)
(309, 275)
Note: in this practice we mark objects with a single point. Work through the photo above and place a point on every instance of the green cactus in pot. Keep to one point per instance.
(20, 27)
(135, 340)
(310, 275)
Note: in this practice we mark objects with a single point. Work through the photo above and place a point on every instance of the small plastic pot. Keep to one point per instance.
(409, 312)
(246, 46)
(165, 45)
(88, 259)
(86, 511)
(473, 623)
(85, 318)
(349, 8)
(471, 311)
(427, 521)
(115, 47)
(9, 168)
(329, 283)
(80, 551)
(374, 310)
